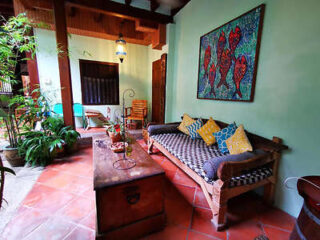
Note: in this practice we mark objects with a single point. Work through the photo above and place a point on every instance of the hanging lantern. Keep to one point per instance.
(121, 50)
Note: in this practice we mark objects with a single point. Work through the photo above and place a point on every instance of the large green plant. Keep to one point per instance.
(40, 147)
(15, 40)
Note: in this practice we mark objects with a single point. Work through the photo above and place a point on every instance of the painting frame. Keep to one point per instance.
(256, 56)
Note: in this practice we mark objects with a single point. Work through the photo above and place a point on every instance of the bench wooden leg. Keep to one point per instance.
(150, 146)
(220, 206)
(220, 219)
(268, 194)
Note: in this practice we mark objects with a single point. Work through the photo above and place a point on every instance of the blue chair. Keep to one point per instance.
(77, 111)
(57, 109)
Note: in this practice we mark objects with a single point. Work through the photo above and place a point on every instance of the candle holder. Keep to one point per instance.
(125, 162)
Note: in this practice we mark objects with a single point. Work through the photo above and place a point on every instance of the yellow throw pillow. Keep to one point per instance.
(207, 130)
(186, 121)
(238, 142)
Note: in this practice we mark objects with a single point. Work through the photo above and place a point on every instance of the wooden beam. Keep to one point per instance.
(146, 26)
(98, 17)
(119, 10)
(154, 5)
(159, 37)
(72, 12)
(33, 73)
(6, 4)
(176, 10)
(6, 10)
(37, 4)
(63, 61)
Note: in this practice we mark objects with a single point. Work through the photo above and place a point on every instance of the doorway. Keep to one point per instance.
(159, 76)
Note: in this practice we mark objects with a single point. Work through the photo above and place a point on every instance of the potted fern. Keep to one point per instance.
(15, 40)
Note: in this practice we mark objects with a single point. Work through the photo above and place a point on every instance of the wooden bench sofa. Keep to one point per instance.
(225, 187)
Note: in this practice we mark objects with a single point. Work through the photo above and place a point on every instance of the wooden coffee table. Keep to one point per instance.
(129, 203)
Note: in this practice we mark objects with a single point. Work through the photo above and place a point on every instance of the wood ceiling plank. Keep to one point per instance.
(119, 10)
(37, 4)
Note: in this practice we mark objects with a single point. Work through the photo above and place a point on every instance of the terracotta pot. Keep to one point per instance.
(115, 137)
(12, 156)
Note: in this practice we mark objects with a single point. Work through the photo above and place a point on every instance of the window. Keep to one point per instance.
(99, 83)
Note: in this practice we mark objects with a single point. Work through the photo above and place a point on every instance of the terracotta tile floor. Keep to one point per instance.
(61, 205)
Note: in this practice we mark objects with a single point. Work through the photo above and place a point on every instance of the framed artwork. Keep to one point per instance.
(228, 58)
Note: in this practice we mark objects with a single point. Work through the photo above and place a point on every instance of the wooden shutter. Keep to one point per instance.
(99, 83)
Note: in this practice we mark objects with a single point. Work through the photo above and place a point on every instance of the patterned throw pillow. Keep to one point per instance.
(239, 142)
(223, 135)
(186, 121)
(193, 128)
(206, 132)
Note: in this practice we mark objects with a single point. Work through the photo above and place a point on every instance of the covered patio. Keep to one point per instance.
(159, 119)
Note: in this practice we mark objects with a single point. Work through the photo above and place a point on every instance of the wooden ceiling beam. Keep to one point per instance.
(154, 5)
(98, 17)
(119, 10)
(159, 37)
(6, 10)
(37, 4)
(176, 10)
(145, 26)
(72, 12)
(6, 5)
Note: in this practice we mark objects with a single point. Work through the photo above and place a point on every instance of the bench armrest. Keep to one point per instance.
(154, 129)
(227, 170)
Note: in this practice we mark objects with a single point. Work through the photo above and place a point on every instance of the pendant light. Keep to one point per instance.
(121, 50)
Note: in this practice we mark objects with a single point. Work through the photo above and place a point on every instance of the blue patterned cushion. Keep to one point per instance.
(223, 135)
(194, 127)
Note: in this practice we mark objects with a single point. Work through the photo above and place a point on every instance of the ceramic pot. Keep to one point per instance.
(12, 156)
(115, 137)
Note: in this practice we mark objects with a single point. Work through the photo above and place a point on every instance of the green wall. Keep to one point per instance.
(287, 90)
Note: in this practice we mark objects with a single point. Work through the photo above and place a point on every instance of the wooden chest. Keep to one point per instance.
(129, 203)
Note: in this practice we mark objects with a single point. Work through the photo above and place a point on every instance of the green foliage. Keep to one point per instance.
(35, 110)
(15, 39)
(41, 147)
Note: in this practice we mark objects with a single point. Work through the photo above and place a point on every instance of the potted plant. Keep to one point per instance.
(41, 147)
(114, 132)
(11, 151)
(15, 40)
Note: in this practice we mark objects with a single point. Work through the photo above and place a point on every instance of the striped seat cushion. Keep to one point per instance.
(195, 152)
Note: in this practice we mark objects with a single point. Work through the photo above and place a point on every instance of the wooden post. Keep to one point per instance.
(63, 60)
(33, 73)
(269, 189)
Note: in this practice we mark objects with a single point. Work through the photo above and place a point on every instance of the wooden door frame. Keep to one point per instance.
(163, 59)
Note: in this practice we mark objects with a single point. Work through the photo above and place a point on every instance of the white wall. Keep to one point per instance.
(135, 72)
